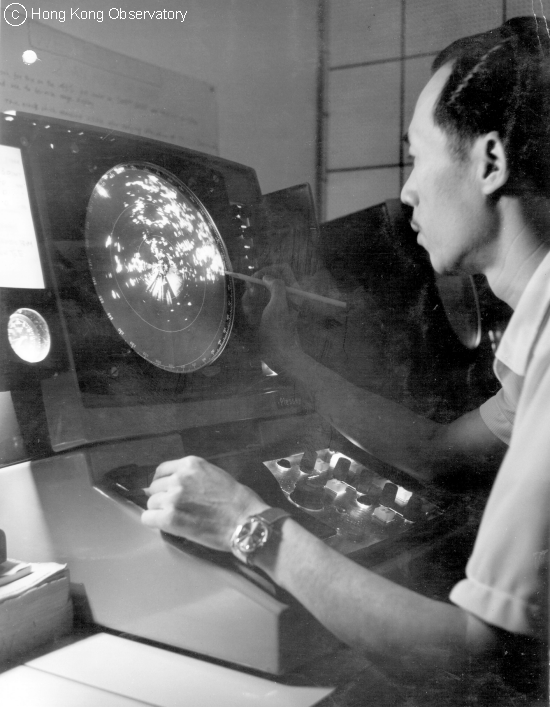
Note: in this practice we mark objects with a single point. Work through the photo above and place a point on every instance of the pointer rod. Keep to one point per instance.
(291, 290)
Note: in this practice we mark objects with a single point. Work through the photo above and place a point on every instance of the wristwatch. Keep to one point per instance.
(255, 532)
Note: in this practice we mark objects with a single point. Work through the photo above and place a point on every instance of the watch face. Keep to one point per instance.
(253, 534)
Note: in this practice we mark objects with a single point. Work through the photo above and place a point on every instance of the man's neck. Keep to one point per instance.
(522, 245)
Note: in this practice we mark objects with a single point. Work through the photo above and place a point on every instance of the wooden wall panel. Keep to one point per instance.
(432, 24)
(363, 108)
(352, 191)
(370, 101)
(516, 8)
(364, 30)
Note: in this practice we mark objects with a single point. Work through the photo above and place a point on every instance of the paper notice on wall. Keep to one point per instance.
(82, 82)
(19, 257)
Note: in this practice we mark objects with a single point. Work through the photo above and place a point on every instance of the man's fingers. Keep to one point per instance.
(276, 287)
(256, 294)
(166, 469)
(154, 518)
(282, 272)
(159, 484)
(156, 499)
(279, 295)
(165, 477)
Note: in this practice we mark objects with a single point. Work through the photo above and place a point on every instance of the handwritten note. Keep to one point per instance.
(79, 81)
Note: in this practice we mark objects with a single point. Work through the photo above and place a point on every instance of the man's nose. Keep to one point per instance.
(408, 193)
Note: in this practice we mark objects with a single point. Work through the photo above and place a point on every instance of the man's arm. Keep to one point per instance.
(370, 613)
(192, 498)
(389, 431)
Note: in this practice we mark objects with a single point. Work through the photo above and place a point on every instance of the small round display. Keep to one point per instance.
(158, 265)
(29, 335)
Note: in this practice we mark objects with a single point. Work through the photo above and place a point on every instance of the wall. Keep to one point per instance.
(260, 56)
(72, 79)
(379, 54)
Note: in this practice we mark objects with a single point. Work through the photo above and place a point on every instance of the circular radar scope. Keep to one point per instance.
(29, 335)
(158, 265)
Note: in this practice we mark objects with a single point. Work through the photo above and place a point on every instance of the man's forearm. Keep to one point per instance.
(367, 611)
(389, 431)
(383, 428)
(193, 498)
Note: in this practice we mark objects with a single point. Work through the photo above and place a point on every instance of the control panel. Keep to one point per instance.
(356, 503)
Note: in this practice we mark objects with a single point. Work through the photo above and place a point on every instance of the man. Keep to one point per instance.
(480, 192)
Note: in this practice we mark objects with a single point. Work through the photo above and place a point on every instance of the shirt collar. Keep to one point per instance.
(521, 332)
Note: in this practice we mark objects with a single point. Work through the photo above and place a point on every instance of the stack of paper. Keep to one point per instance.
(35, 607)
(10, 570)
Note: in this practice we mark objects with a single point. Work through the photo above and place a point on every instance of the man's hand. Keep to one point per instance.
(277, 322)
(194, 499)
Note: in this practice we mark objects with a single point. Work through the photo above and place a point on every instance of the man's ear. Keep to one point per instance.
(493, 170)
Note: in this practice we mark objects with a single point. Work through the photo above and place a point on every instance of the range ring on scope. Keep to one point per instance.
(158, 264)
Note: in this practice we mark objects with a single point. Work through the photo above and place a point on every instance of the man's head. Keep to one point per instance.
(481, 129)
(500, 80)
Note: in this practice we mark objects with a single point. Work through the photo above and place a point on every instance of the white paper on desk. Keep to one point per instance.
(39, 573)
(166, 679)
(25, 687)
(11, 570)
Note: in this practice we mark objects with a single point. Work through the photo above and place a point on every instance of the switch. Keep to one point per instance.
(413, 509)
(384, 515)
(389, 492)
(307, 463)
(341, 470)
(309, 493)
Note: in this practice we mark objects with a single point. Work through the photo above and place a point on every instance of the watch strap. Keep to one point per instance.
(272, 515)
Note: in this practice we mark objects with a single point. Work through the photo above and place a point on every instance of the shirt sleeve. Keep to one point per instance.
(499, 412)
(506, 581)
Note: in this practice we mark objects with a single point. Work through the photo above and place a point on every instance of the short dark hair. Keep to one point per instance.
(500, 80)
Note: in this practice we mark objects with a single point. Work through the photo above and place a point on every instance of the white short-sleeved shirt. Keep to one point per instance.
(506, 581)
(499, 411)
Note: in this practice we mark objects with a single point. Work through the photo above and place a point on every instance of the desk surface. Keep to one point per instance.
(105, 670)
(109, 671)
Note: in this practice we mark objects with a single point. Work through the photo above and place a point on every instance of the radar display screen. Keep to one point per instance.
(158, 265)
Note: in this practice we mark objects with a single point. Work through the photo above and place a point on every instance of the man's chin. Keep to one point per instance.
(443, 268)
(440, 268)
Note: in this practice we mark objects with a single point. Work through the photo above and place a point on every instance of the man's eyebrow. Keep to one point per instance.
(405, 138)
